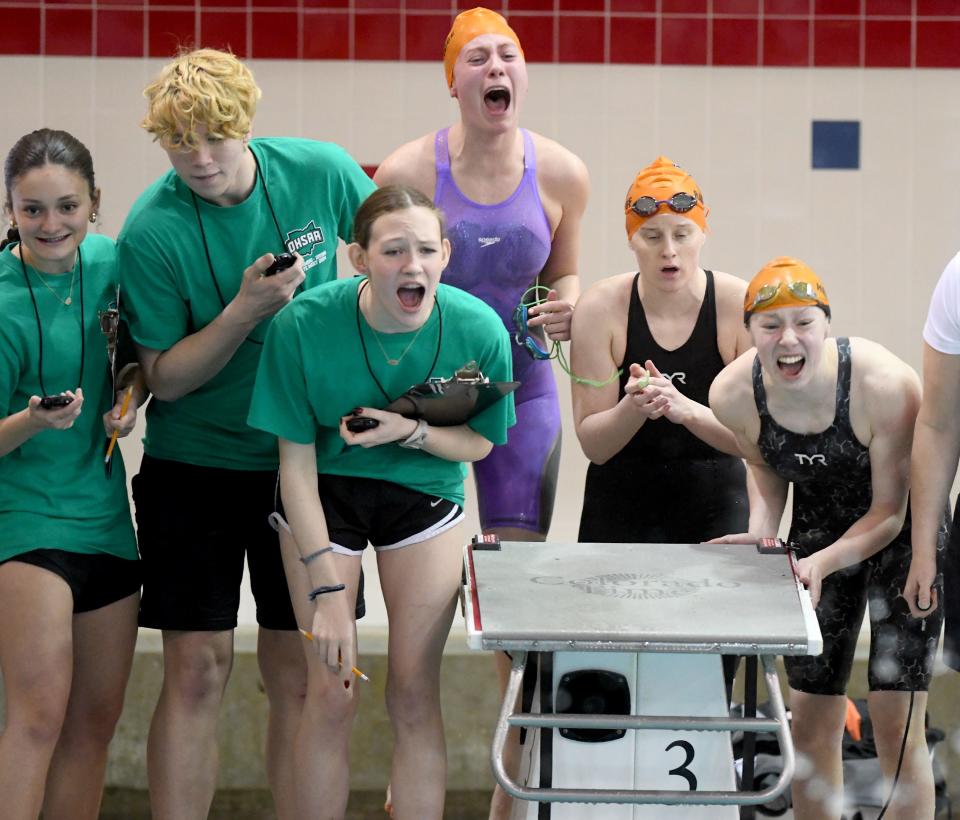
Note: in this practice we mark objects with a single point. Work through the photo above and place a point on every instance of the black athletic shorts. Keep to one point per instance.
(359, 511)
(195, 525)
(96, 580)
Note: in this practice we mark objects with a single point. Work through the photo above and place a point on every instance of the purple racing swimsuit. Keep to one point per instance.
(498, 252)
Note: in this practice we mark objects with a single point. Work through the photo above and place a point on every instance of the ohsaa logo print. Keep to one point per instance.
(305, 240)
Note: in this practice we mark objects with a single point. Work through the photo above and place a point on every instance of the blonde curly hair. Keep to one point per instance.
(207, 88)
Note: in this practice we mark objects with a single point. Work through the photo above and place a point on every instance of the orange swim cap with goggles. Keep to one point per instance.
(661, 186)
(467, 26)
(784, 282)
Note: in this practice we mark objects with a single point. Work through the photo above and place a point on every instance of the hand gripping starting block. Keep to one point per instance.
(625, 707)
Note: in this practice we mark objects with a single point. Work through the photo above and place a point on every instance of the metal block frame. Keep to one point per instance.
(509, 718)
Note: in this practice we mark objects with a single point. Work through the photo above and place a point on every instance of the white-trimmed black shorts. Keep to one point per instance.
(361, 511)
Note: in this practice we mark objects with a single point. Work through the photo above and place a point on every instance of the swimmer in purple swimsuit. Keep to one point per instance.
(513, 201)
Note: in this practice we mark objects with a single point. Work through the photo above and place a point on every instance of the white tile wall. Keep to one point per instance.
(879, 236)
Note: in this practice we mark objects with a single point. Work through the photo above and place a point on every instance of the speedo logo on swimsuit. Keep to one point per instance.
(679, 376)
(816, 458)
(487, 241)
(305, 240)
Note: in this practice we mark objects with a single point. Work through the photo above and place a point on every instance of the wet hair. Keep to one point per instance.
(44, 147)
(386, 200)
(207, 88)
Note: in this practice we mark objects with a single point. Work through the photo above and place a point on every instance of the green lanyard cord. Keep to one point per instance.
(537, 295)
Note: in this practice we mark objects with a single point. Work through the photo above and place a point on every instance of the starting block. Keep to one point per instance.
(617, 670)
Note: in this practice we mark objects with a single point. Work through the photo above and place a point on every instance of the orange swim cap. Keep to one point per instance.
(660, 181)
(784, 282)
(470, 24)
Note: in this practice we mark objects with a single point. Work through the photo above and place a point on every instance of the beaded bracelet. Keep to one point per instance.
(306, 559)
(324, 590)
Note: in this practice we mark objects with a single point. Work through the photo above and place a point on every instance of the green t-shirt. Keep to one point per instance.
(313, 371)
(169, 293)
(53, 490)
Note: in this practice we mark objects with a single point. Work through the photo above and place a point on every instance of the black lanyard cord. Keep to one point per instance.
(363, 344)
(36, 313)
(203, 233)
(266, 196)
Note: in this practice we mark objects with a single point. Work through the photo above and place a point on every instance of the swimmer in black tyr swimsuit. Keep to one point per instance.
(830, 472)
(664, 462)
(835, 417)
(662, 468)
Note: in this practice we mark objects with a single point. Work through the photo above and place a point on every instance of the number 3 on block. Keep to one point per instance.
(682, 770)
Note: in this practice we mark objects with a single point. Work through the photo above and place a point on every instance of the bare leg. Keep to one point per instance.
(321, 767)
(817, 731)
(419, 585)
(36, 658)
(182, 753)
(103, 644)
(284, 673)
(914, 796)
(501, 804)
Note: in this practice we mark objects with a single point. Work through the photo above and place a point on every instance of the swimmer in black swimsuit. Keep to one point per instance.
(835, 417)
(669, 328)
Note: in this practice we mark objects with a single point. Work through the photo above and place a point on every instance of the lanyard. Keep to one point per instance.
(36, 313)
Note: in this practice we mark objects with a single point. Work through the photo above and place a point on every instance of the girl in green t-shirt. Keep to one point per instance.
(69, 571)
(383, 329)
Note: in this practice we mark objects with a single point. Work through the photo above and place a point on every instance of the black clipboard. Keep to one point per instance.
(449, 402)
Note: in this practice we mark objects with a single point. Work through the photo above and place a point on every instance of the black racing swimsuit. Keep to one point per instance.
(666, 485)
(832, 489)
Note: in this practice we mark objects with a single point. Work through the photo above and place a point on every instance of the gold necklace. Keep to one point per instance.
(73, 276)
(406, 350)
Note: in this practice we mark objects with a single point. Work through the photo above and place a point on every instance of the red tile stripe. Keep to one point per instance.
(829, 33)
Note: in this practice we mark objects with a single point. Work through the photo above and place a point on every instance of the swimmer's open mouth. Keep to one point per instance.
(670, 269)
(411, 296)
(497, 99)
(791, 365)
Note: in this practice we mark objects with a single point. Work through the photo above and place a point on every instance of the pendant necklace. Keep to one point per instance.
(73, 278)
(397, 361)
(406, 350)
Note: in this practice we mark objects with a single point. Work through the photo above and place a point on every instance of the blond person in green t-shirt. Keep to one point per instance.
(196, 252)
(334, 358)
(69, 574)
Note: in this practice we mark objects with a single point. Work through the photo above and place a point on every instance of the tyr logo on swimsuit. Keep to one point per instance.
(816, 458)
(679, 376)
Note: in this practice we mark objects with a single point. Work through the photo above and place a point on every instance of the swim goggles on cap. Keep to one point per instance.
(533, 345)
(799, 290)
(680, 203)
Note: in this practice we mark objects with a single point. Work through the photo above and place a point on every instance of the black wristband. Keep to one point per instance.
(324, 590)
(306, 559)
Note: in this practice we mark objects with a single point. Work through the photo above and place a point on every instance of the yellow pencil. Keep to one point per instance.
(116, 433)
(357, 672)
